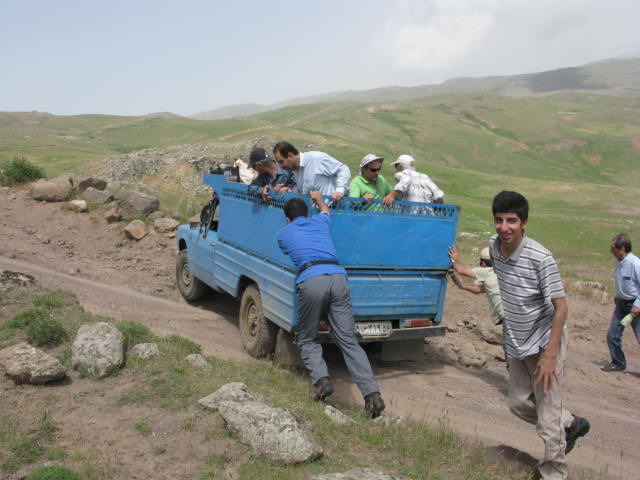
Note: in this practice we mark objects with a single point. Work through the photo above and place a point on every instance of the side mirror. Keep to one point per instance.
(205, 214)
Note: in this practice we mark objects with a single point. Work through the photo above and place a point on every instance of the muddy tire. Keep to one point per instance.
(190, 287)
(258, 334)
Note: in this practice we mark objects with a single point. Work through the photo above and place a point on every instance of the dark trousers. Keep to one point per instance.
(614, 335)
(327, 297)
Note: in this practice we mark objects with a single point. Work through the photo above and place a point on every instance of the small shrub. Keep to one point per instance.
(19, 170)
(45, 330)
(57, 454)
(143, 428)
(25, 317)
(181, 345)
(53, 473)
(56, 299)
(135, 333)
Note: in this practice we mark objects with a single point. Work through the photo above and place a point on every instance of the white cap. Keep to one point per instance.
(368, 158)
(405, 161)
(485, 253)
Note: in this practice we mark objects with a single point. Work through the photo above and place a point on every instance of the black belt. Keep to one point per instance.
(315, 262)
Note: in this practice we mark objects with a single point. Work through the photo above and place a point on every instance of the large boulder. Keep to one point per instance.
(98, 348)
(138, 202)
(357, 474)
(276, 433)
(94, 195)
(24, 363)
(55, 190)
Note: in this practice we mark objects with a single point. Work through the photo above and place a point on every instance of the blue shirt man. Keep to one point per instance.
(323, 294)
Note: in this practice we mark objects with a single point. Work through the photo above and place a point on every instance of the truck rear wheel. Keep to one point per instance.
(190, 287)
(258, 334)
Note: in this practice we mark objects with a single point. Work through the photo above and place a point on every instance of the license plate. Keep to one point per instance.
(370, 329)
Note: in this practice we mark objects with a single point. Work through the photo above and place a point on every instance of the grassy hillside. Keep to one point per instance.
(62, 143)
(574, 156)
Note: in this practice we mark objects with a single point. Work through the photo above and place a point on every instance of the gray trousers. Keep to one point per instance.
(327, 296)
(545, 410)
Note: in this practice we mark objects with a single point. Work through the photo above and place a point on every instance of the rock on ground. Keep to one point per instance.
(78, 205)
(94, 195)
(138, 202)
(55, 190)
(276, 433)
(144, 350)
(24, 363)
(98, 347)
(231, 392)
(164, 225)
(199, 361)
(357, 474)
(136, 230)
(336, 416)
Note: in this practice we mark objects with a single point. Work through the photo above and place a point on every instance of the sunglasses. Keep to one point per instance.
(374, 170)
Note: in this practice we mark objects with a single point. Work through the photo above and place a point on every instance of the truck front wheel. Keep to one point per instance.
(190, 287)
(258, 334)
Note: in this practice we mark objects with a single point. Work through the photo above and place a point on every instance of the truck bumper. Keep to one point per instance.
(395, 335)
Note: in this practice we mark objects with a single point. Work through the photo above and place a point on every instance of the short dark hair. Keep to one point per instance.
(622, 240)
(487, 261)
(511, 202)
(294, 208)
(285, 148)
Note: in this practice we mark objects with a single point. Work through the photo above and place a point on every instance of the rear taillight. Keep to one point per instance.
(417, 322)
(323, 327)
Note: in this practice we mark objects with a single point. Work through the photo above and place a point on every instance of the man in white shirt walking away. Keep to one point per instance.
(627, 300)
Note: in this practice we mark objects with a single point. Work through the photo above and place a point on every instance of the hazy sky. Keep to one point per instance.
(134, 57)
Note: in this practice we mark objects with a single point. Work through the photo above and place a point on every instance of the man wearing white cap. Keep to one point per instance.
(369, 184)
(485, 280)
(414, 186)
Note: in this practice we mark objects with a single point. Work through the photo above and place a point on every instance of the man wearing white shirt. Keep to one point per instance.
(412, 185)
(314, 171)
(627, 300)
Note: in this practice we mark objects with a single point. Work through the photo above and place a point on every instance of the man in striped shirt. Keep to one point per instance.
(535, 309)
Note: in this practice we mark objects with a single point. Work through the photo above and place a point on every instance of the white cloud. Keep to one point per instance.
(438, 39)
(435, 36)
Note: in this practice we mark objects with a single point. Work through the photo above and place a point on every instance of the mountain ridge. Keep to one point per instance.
(617, 77)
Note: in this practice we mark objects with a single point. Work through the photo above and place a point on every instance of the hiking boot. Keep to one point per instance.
(612, 367)
(373, 405)
(322, 389)
(578, 428)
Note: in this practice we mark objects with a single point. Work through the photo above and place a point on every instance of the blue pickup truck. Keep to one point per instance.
(396, 259)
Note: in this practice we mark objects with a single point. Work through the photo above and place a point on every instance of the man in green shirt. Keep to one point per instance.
(369, 184)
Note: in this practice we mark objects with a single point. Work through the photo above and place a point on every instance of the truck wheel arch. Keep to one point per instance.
(190, 287)
(257, 332)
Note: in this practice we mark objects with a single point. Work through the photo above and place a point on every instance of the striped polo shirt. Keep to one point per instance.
(529, 280)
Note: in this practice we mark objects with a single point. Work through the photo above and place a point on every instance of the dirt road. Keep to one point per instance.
(134, 281)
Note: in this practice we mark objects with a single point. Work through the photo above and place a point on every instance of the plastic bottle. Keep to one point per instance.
(626, 320)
